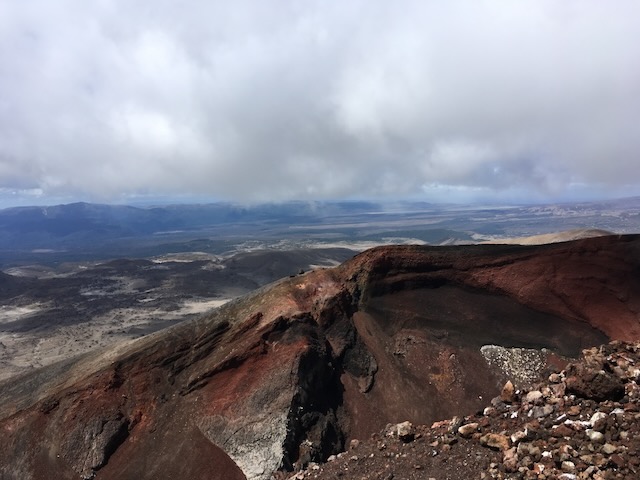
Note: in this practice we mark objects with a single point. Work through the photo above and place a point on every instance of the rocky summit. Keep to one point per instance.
(293, 374)
(581, 423)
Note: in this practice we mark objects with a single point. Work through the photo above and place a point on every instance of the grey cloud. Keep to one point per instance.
(276, 100)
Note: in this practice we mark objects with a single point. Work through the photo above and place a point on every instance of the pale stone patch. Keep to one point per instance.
(521, 365)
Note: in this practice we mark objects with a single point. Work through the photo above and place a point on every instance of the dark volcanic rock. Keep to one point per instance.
(595, 385)
(582, 439)
(291, 373)
(102, 434)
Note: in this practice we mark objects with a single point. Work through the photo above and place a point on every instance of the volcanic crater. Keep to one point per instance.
(290, 373)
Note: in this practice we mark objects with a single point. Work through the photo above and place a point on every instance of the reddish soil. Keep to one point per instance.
(291, 373)
(553, 431)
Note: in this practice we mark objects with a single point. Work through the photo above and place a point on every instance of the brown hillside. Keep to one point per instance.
(287, 374)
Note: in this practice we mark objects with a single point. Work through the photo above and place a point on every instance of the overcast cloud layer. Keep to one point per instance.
(273, 100)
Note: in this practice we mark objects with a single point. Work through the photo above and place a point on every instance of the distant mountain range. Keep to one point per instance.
(87, 231)
(81, 221)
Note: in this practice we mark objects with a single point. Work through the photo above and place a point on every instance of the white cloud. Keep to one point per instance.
(274, 100)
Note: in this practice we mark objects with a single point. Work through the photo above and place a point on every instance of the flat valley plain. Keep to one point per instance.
(81, 277)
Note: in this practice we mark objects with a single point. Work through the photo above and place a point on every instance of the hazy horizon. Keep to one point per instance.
(388, 203)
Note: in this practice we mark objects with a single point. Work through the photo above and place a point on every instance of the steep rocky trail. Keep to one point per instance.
(291, 373)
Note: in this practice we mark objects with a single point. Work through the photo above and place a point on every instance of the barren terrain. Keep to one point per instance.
(557, 429)
(288, 375)
(48, 314)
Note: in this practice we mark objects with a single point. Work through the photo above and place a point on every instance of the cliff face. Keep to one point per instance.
(287, 374)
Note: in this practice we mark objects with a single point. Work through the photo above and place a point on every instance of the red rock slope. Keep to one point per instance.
(287, 374)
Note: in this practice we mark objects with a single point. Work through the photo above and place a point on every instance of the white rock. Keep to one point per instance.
(560, 419)
(568, 476)
(518, 436)
(405, 431)
(597, 416)
(468, 429)
(594, 436)
(533, 396)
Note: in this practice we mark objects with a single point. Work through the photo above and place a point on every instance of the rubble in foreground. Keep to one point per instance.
(582, 423)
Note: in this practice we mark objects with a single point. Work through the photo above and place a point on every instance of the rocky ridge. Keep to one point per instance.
(290, 374)
(582, 423)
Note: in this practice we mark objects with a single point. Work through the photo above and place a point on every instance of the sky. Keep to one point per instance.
(253, 101)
